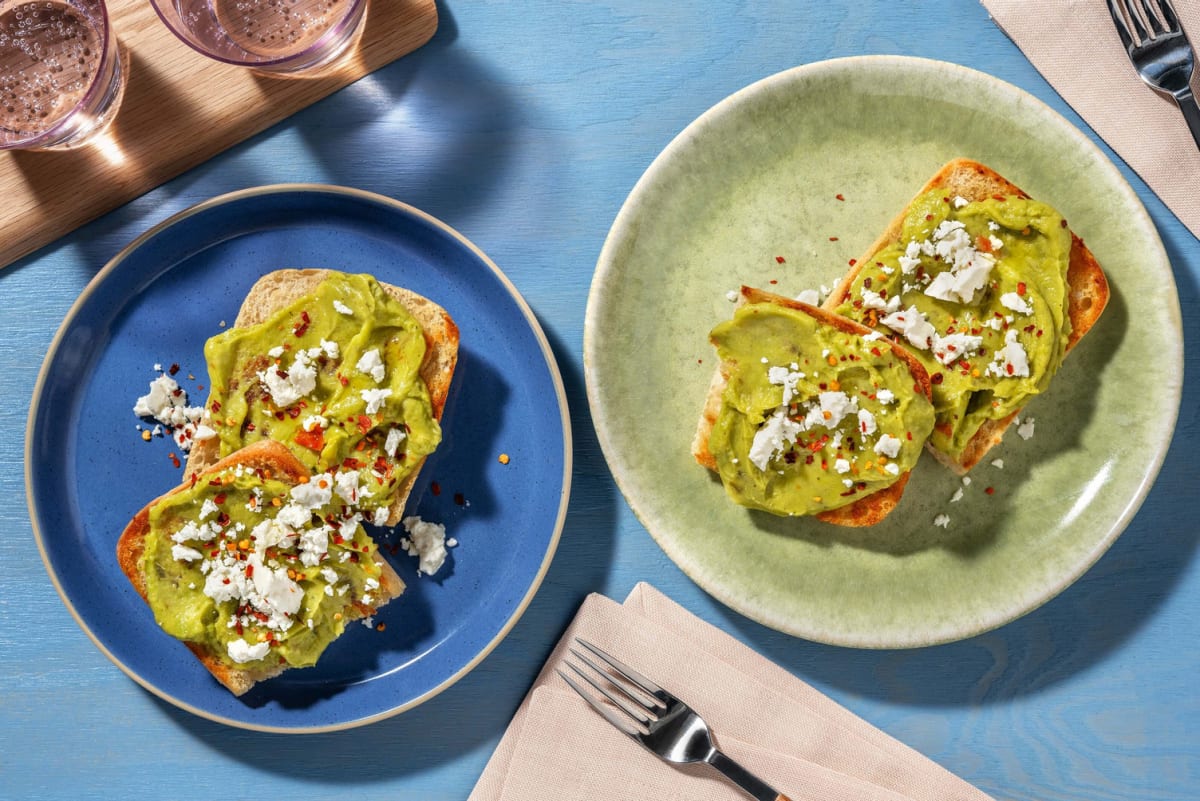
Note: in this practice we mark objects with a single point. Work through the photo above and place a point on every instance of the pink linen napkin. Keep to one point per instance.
(1075, 46)
(796, 739)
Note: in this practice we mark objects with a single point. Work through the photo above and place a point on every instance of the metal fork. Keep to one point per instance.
(657, 719)
(1160, 52)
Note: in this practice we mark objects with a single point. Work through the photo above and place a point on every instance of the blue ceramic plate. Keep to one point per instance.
(89, 471)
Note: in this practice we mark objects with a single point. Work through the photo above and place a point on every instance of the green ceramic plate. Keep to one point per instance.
(779, 186)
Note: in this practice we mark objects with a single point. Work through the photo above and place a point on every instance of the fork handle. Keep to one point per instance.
(753, 786)
(1191, 112)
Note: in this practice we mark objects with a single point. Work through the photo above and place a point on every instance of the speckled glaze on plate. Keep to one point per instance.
(779, 186)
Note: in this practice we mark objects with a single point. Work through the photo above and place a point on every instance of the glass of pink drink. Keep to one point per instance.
(61, 77)
(283, 36)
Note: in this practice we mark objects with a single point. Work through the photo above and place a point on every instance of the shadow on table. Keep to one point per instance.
(470, 715)
(1072, 632)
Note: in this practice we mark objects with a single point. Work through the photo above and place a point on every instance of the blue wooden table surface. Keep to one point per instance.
(524, 125)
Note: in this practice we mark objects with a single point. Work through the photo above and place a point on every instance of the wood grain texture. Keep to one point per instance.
(180, 109)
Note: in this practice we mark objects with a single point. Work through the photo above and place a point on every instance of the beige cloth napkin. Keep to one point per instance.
(1076, 48)
(796, 739)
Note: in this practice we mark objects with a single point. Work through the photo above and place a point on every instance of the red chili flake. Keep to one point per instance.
(364, 423)
(1039, 332)
(174, 460)
(936, 378)
(990, 490)
(250, 570)
(219, 498)
(343, 380)
(853, 262)
(839, 196)
(928, 216)
(833, 239)
(867, 282)
(1008, 368)
(279, 415)
(773, 281)
(909, 435)
(876, 352)
(294, 412)
(780, 259)
(808, 459)
(250, 426)
(1020, 287)
(435, 488)
(460, 500)
(223, 519)
(1063, 224)
(216, 407)
(173, 369)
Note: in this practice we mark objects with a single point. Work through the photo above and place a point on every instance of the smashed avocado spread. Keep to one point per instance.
(260, 572)
(335, 376)
(978, 291)
(812, 417)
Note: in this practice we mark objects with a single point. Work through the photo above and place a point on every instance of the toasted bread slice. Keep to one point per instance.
(283, 466)
(1087, 286)
(865, 511)
(278, 289)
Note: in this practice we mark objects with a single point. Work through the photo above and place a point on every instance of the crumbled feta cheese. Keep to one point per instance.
(772, 438)
(374, 398)
(294, 516)
(1011, 360)
(942, 520)
(203, 432)
(1025, 428)
(998, 464)
(888, 446)
(1011, 300)
(810, 296)
(866, 422)
(242, 652)
(830, 409)
(957, 496)
(314, 421)
(732, 296)
(347, 488)
(315, 493)
(275, 352)
(372, 364)
(341, 308)
(912, 324)
(885, 396)
(392, 443)
(426, 541)
(952, 347)
(842, 466)
(331, 349)
(960, 201)
(892, 469)
(182, 553)
(294, 383)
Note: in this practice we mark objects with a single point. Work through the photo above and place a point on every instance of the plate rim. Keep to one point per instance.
(617, 233)
(364, 196)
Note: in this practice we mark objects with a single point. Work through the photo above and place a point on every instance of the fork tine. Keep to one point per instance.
(1169, 17)
(1122, 27)
(621, 701)
(620, 724)
(1152, 18)
(628, 673)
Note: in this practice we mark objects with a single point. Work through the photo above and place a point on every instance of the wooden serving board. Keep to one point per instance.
(180, 109)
